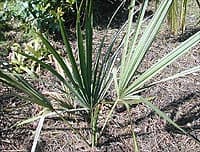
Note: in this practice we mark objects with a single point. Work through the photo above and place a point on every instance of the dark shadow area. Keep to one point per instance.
(105, 9)
(191, 116)
(192, 112)
(4, 28)
(190, 120)
(103, 12)
(189, 31)
(109, 139)
(175, 105)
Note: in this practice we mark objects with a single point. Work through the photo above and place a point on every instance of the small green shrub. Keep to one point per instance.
(20, 63)
(36, 13)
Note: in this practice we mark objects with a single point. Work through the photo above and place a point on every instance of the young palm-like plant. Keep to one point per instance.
(90, 79)
(128, 82)
(133, 53)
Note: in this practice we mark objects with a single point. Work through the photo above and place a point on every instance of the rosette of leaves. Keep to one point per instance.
(89, 80)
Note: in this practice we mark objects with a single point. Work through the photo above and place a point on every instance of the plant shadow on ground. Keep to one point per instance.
(189, 31)
(192, 112)
(184, 111)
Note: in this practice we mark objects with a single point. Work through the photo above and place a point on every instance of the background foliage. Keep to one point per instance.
(39, 13)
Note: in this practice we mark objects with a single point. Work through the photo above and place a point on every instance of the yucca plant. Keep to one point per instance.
(89, 79)
(128, 81)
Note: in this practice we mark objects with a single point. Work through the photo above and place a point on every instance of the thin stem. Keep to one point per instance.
(94, 118)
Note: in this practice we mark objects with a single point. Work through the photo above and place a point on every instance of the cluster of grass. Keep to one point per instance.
(89, 80)
(177, 14)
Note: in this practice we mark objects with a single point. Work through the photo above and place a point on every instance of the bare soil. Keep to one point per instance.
(179, 98)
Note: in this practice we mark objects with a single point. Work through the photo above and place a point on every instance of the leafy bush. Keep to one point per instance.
(3, 25)
(41, 13)
(38, 13)
(20, 63)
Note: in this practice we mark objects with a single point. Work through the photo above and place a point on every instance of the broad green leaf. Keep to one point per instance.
(89, 41)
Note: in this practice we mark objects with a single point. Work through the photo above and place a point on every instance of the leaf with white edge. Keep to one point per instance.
(181, 74)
